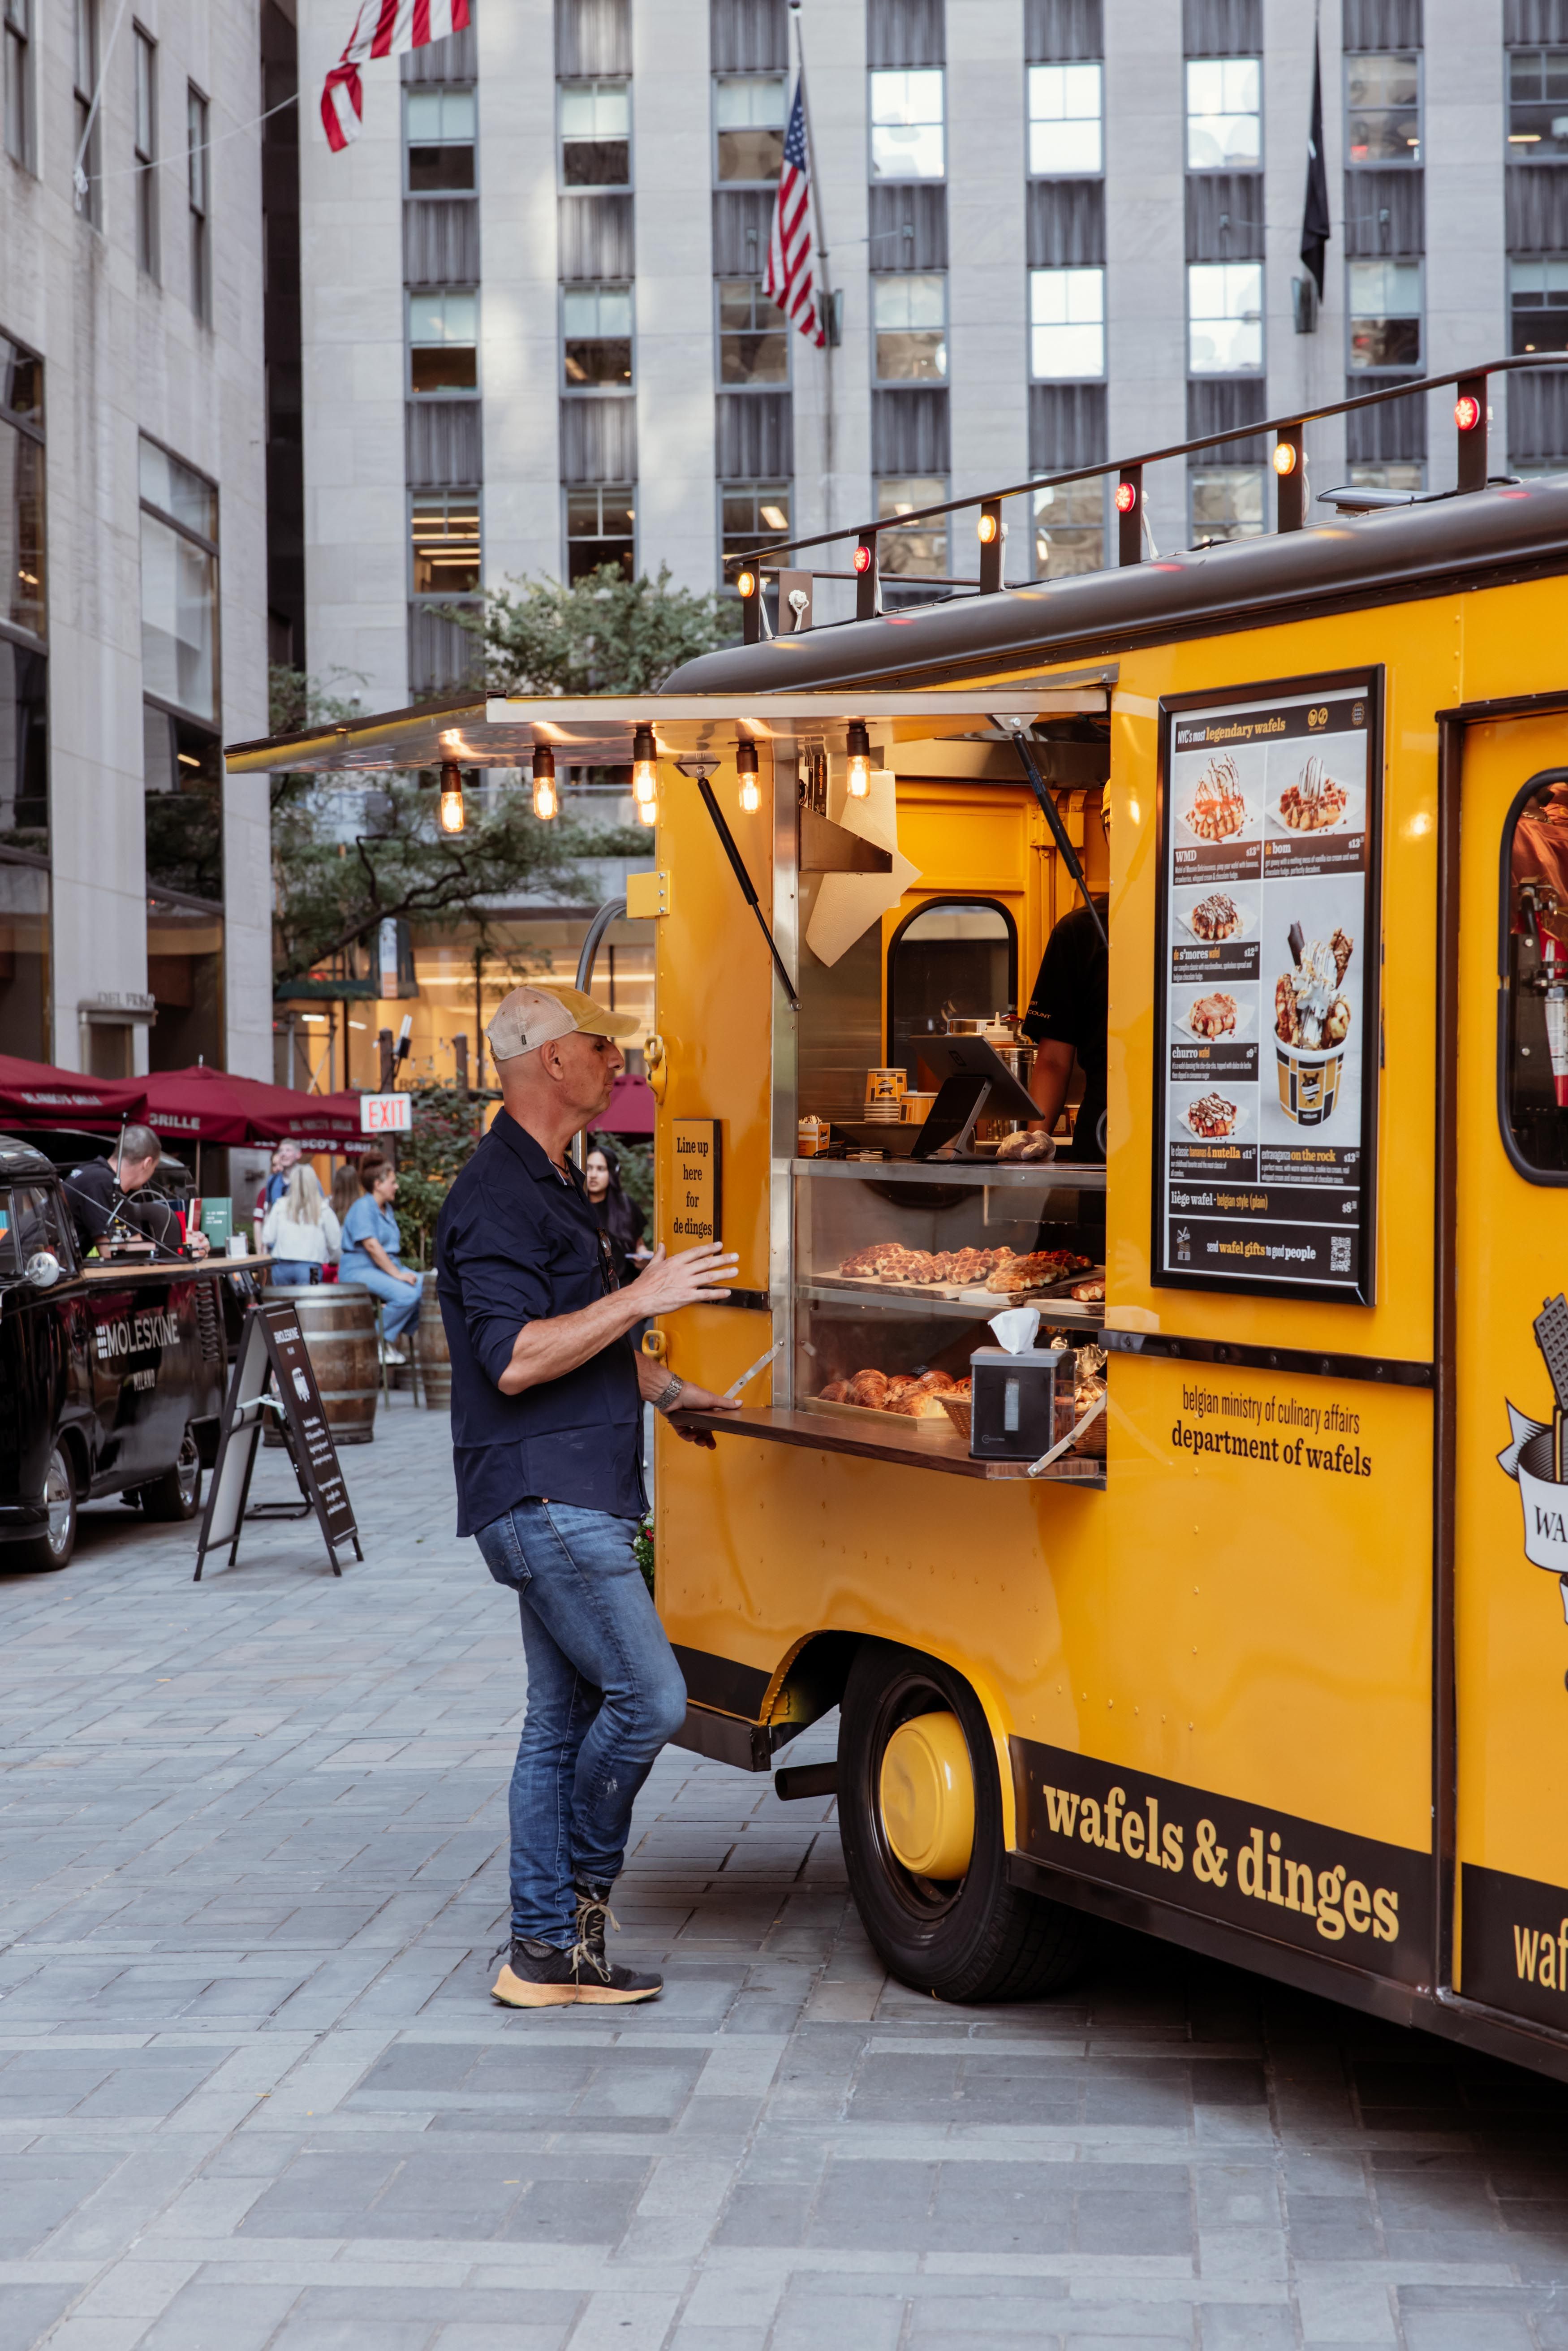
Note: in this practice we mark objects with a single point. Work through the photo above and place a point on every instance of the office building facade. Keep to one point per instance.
(535, 336)
(134, 880)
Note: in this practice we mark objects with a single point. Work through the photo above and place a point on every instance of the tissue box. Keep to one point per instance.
(1018, 1401)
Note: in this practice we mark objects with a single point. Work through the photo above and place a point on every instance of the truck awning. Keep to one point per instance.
(596, 730)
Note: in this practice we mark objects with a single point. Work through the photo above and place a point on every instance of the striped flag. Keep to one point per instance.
(384, 28)
(788, 278)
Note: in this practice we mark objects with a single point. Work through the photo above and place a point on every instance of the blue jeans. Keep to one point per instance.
(605, 1695)
(400, 1299)
(298, 1269)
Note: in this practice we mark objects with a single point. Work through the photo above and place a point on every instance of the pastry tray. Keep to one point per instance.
(870, 1412)
(974, 1294)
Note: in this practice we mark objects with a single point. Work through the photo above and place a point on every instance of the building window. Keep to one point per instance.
(748, 120)
(1538, 104)
(1225, 316)
(907, 140)
(443, 343)
(595, 135)
(921, 548)
(1227, 503)
(1064, 121)
(752, 514)
(146, 151)
(1384, 303)
(1069, 529)
(1383, 108)
(22, 496)
(596, 336)
(198, 184)
(1388, 477)
(1066, 323)
(1538, 304)
(88, 120)
(178, 584)
(601, 528)
(18, 29)
(753, 335)
(911, 322)
(1224, 114)
(443, 543)
(438, 128)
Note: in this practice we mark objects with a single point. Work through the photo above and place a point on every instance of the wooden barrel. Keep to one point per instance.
(337, 1324)
(434, 1361)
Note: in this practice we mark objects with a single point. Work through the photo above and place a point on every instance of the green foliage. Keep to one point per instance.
(330, 892)
(636, 1173)
(446, 1129)
(603, 634)
(643, 1551)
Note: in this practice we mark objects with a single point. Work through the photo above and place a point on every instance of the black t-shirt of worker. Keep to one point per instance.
(97, 1204)
(1069, 1006)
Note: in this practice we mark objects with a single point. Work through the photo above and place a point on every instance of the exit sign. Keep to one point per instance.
(386, 1113)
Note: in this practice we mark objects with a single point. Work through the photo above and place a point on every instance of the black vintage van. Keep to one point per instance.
(111, 1376)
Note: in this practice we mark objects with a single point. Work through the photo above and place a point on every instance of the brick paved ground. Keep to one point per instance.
(252, 2093)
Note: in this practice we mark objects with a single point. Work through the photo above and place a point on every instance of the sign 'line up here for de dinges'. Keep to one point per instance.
(697, 1211)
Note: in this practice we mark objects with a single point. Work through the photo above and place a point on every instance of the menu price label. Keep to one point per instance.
(1267, 998)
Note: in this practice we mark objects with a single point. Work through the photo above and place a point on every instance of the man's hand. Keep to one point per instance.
(666, 1283)
(695, 1399)
(198, 1244)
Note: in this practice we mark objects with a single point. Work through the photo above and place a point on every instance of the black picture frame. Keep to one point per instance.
(1369, 683)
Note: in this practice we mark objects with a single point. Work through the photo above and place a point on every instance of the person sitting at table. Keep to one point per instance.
(300, 1233)
(371, 1244)
(112, 1196)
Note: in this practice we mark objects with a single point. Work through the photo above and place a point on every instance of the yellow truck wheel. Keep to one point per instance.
(921, 1817)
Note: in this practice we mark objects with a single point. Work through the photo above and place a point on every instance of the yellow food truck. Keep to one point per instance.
(1264, 1647)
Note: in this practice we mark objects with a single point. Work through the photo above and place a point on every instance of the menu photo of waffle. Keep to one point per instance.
(1214, 807)
(1214, 1015)
(1212, 916)
(1312, 800)
(1222, 1113)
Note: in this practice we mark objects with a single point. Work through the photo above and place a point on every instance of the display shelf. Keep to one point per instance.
(1038, 1175)
(930, 1448)
(976, 1306)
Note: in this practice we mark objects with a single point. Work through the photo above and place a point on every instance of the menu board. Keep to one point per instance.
(1266, 1003)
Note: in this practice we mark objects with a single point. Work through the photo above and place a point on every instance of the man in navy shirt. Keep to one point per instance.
(547, 1418)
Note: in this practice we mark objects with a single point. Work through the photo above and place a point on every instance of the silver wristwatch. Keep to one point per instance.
(670, 1394)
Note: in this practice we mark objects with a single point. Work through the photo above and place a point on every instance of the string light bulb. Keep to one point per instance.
(645, 769)
(858, 747)
(546, 802)
(454, 816)
(746, 769)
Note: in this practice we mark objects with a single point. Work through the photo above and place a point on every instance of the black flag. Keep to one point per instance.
(1315, 229)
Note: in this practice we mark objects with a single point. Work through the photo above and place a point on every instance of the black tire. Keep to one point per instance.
(177, 1496)
(52, 1549)
(978, 1939)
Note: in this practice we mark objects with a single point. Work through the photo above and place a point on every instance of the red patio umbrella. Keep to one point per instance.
(629, 1110)
(208, 1105)
(35, 1093)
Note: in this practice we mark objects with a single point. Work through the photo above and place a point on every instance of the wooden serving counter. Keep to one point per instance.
(927, 1446)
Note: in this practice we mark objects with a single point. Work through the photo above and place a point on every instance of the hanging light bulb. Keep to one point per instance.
(858, 744)
(453, 815)
(648, 811)
(546, 803)
(746, 769)
(645, 769)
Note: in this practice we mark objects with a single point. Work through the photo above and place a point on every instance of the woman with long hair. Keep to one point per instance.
(301, 1231)
(614, 1212)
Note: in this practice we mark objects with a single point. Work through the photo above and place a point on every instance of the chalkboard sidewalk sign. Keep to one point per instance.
(273, 1374)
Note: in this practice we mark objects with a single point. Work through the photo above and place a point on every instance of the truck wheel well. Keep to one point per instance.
(813, 1681)
(74, 1452)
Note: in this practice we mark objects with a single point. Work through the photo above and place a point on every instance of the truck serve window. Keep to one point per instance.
(956, 957)
(1533, 1028)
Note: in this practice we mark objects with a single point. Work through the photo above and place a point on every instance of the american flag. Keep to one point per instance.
(788, 278)
(384, 28)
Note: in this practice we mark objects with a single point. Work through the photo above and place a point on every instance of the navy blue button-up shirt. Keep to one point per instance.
(516, 1242)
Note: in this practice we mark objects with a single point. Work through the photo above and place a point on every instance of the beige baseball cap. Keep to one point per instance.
(532, 1016)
